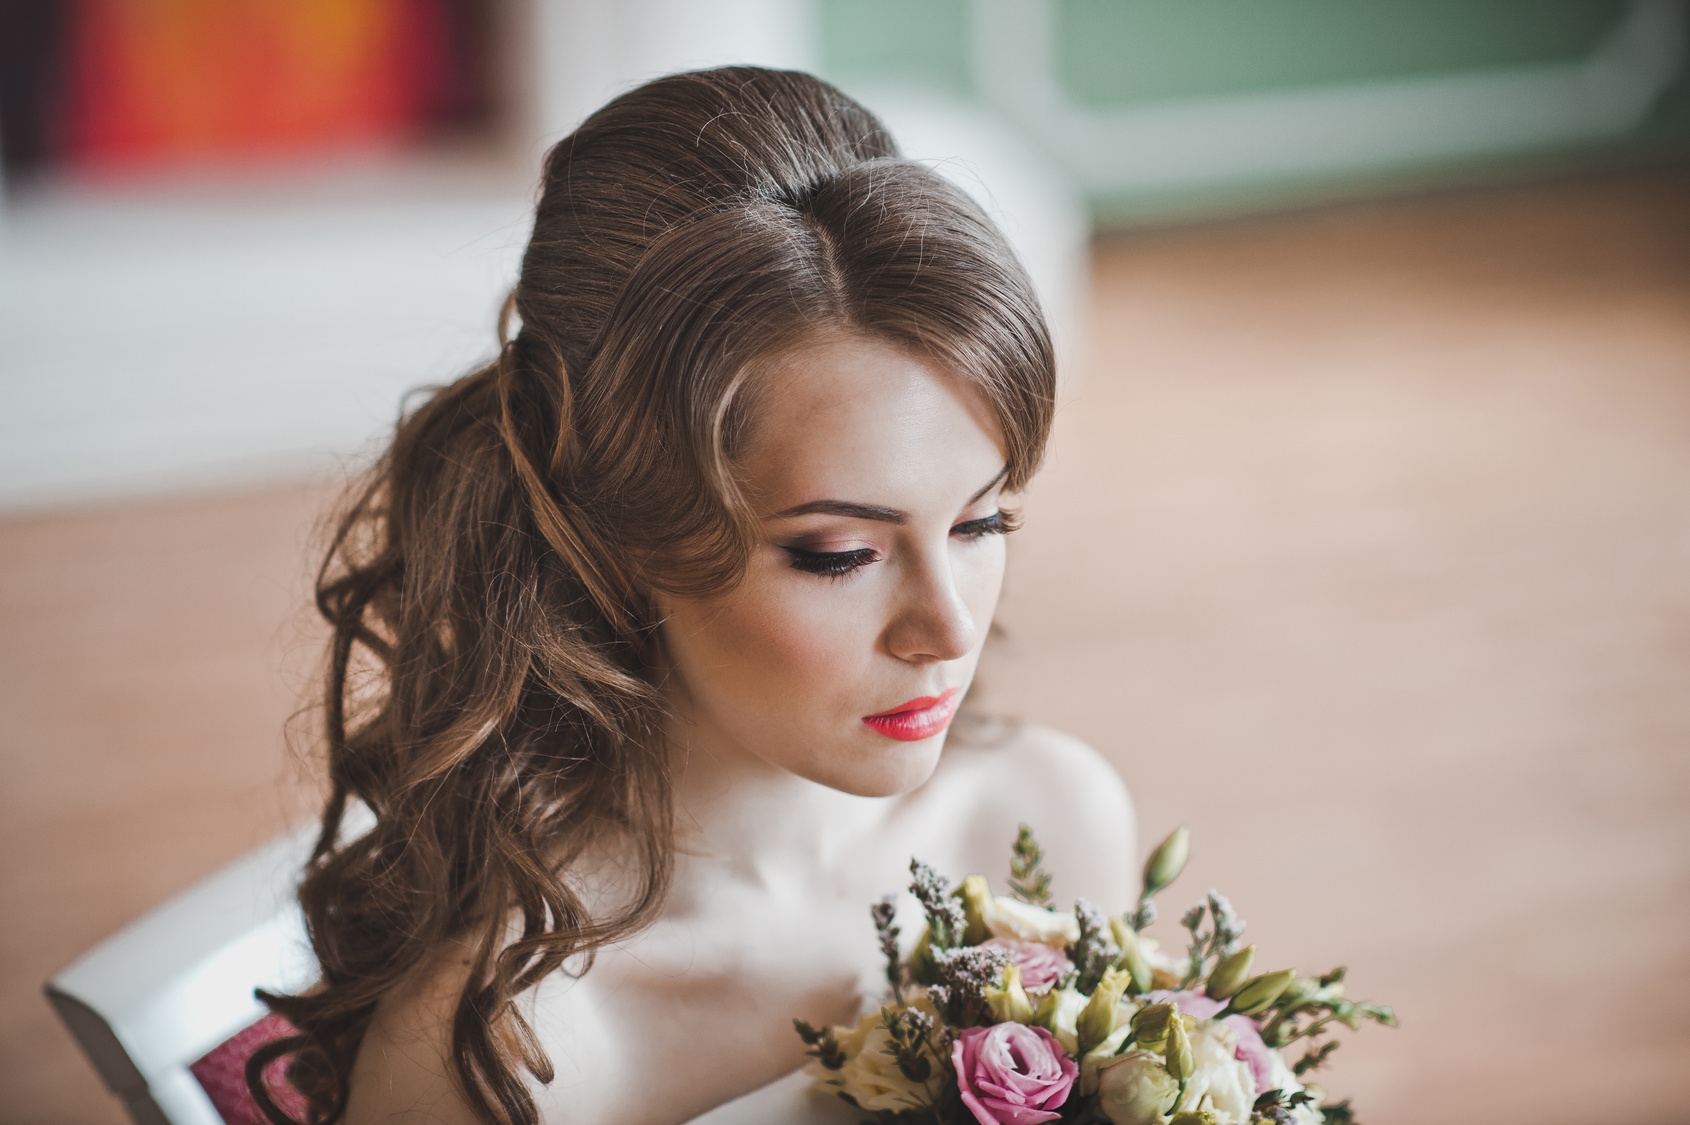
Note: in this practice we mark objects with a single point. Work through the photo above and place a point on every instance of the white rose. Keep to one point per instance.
(1220, 1082)
(1134, 1088)
(870, 1075)
(1006, 917)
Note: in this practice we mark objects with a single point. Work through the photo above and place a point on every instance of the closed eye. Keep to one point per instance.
(830, 564)
(998, 523)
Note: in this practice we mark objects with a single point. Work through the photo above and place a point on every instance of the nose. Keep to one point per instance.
(932, 622)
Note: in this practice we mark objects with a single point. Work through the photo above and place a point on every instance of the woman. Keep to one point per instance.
(647, 636)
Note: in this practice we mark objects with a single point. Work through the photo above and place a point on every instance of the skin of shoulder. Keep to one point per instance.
(1070, 796)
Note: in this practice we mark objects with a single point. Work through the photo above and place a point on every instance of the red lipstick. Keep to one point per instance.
(920, 718)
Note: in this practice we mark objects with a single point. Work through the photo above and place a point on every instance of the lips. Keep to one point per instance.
(918, 719)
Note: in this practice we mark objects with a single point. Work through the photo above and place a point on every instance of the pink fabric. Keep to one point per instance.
(1251, 1051)
(222, 1073)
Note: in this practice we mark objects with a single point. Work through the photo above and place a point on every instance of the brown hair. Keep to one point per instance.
(490, 691)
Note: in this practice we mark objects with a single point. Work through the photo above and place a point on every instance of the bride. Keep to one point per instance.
(650, 635)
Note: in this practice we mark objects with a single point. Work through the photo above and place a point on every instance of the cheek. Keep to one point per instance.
(777, 636)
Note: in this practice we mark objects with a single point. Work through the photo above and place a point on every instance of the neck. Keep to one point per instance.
(735, 809)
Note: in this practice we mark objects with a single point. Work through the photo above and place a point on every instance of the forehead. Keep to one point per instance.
(857, 418)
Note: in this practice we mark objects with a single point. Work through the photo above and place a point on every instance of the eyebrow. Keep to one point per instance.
(853, 510)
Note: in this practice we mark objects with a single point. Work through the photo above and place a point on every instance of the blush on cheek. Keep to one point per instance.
(801, 638)
(781, 650)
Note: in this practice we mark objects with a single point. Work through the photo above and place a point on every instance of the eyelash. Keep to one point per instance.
(837, 564)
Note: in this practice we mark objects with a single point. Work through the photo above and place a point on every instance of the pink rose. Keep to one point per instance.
(1041, 965)
(1251, 1051)
(1010, 1074)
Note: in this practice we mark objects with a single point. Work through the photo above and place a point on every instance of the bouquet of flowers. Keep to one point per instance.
(1009, 1012)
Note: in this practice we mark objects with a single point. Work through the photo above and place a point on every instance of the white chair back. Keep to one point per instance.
(157, 995)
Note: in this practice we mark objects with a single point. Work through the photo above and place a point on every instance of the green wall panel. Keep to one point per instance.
(1126, 52)
(923, 42)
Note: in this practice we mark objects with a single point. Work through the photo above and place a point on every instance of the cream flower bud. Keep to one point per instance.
(1231, 973)
(976, 896)
(1261, 992)
(1167, 861)
(1177, 1053)
(1132, 956)
(1150, 1024)
(1097, 1021)
(1010, 1002)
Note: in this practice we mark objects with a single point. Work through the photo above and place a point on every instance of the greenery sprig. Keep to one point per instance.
(910, 1035)
(1307, 1007)
(823, 1044)
(1027, 880)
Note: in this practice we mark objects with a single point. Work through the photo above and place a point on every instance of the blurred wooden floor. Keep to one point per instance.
(1364, 549)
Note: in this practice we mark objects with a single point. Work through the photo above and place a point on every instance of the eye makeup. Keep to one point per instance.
(830, 564)
(837, 564)
(998, 523)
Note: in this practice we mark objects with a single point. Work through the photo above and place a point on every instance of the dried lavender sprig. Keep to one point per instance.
(1229, 927)
(965, 973)
(883, 912)
(1096, 950)
(946, 919)
(1193, 920)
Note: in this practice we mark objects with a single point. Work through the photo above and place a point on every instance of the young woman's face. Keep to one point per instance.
(842, 655)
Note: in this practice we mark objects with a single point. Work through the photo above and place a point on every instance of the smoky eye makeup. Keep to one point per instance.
(830, 564)
(838, 564)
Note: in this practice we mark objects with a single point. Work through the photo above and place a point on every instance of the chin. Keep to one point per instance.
(895, 768)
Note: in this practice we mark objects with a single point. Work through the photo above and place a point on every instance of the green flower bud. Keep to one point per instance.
(1231, 973)
(1150, 1024)
(1167, 861)
(1195, 1117)
(1010, 1002)
(1178, 1053)
(1261, 992)
(975, 893)
(1097, 1019)
(1132, 957)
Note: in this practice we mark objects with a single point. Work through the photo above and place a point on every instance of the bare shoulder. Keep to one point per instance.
(403, 1072)
(1074, 801)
